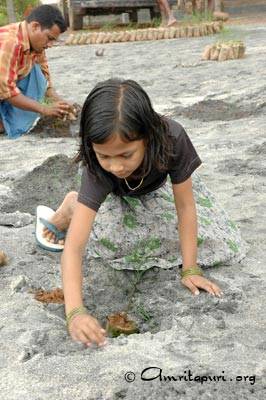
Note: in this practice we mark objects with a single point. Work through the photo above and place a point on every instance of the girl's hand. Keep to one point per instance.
(193, 282)
(86, 329)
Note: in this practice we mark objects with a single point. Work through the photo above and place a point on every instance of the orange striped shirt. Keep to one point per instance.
(16, 59)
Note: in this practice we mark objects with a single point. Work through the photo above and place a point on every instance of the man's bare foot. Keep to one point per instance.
(172, 22)
(62, 217)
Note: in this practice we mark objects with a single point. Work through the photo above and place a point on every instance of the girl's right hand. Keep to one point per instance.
(87, 330)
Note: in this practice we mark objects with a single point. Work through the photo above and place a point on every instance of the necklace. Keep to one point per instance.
(135, 188)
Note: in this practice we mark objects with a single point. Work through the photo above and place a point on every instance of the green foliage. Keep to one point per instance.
(144, 314)
(168, 216)
(200, 240)
(3, 19)
(233, 246)
(20, 7)
(228, 34)
(197, 17)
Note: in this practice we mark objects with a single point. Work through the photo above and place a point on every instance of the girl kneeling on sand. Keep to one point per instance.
(129, 151)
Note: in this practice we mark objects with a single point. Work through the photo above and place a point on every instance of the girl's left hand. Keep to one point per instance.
(193, 282)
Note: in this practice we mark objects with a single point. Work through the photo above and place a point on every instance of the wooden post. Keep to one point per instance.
(10, 11)
(206, 8)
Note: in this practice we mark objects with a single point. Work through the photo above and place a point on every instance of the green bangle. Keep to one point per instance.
(74, 312)
(191, 271)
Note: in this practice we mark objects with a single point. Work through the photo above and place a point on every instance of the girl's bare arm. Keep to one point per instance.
(83, 328)
(187, 227)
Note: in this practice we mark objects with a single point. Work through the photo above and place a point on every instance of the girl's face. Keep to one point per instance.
(119, 157)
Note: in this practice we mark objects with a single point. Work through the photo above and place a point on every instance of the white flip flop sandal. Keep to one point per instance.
(43, 215)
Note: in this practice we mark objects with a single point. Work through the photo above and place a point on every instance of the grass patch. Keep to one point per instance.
(200, 240)
(233, 246)
(144, 314)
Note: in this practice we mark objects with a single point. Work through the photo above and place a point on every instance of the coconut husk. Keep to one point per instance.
(3, 258)
(166, 33)
(209, 27)
(206, 53)
(241, 50)
(132, 36)
(139, 35)
(177, 33)
(172, 33)
(196, 31)
(119, 323)
(155, 34)
(183, 32)
(127, 36)
(69, 39)
(52, 296)
(74, 112)
(216, 27)
(235, 49)
(189, 31)
(120, 36)
(223, 55)
(76, 38)
(214, 54)
(100, 37)
(83, 39)
(230, 55)
(160, 33)
(150, 34)
(89, 35)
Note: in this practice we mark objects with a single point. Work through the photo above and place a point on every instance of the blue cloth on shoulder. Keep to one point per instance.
(15, 120)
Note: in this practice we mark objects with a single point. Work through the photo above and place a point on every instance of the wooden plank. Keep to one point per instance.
(116, 3)
(241, 3)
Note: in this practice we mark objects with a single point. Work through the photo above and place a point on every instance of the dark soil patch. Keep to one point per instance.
(54, 127)
(46, 184)
(217, 110)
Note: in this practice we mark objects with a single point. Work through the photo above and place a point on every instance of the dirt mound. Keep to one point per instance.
(212, 110)
(46, 184)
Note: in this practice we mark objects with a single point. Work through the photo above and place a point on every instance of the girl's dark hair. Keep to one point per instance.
(122, 107)
(47, 16)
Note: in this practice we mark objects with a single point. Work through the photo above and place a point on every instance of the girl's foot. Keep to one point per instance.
(62, 217)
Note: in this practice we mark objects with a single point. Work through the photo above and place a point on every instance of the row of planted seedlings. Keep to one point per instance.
(203, 29)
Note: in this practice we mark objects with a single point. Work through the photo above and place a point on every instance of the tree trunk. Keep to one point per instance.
(218, 5)
(10, 11)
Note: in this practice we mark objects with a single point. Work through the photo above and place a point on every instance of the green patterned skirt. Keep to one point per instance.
(138, 233)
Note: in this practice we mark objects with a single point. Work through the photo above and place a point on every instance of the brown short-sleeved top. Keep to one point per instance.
(94, 191)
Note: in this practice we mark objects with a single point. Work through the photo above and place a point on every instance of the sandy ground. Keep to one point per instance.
(222, 106)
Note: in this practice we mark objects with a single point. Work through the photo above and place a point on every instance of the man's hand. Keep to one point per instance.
(195, 282)
(86, 329)
(58, 109)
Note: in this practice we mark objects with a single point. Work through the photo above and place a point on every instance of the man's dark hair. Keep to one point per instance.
(47, 16)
